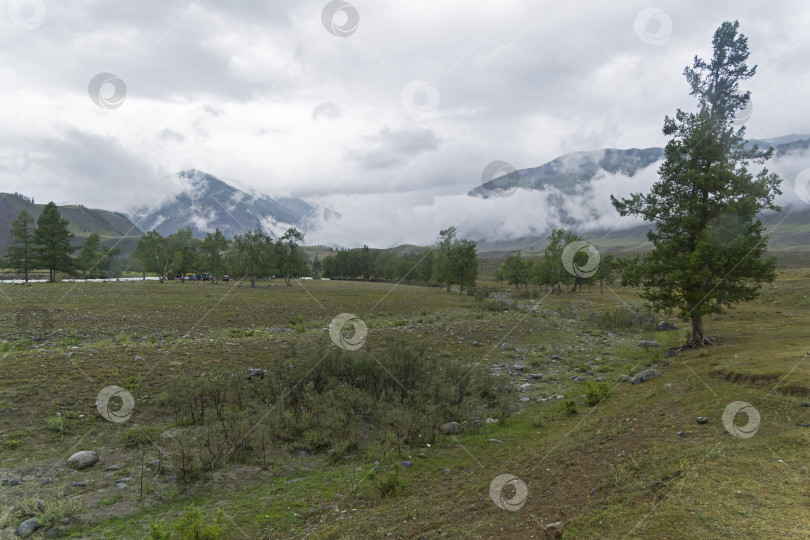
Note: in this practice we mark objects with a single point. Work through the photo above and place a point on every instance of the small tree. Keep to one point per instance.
(707, 242)
(290, 261)
(605, 272)
(212, 247)
(20, 254)
(252, 255)
(515, 270)
(52, 242)
(93, 259)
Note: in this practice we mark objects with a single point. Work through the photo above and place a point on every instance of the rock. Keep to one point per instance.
(302, 454)
(494, 440)
(599, 379)
(422, 455)
(491, 420)
(114, 468)
(702, 420)
(46, 481)
(445, 471)
(13, 481)
(517, 367)
(78, 484)
(452, 428)
(406, 464)
(138, 358)
(645, 344)
(536, 376)
(663, 326)
(577, 378)
(255, 372)
(554, 530)
(121, 485)
(804, 404)
(83, 459)
(672, 352)
(154, 464)
(556, 357)
(560, 396)
(175, 364)
(170, 479)
(27, 528)
(625, 378)
(524, 399)
(646, 375)
(681, 434)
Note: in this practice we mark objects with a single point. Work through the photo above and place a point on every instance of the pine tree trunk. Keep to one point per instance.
(699, 337)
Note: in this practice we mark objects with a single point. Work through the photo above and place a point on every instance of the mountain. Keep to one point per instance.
(569, 172)
(569, 185)
(114, 228)
(207, 202)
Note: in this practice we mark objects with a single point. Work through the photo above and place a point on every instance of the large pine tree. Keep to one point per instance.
(20, 254)
(708, 241)
(52, 242)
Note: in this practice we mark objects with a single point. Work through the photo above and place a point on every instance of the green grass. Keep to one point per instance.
(616, 469)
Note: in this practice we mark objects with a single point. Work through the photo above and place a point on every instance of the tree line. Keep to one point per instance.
(550, 270)
(47, 245)
(451, 261)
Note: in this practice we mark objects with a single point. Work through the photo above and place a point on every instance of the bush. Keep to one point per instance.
(399, 389)
(569, 407)
(596, 392)
(189, 526)
(140, 436)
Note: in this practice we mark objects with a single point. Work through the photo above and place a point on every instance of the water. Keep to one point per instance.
(18, 281)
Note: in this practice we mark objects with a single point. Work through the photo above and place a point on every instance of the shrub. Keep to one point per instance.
(596, 392)
(569, 407)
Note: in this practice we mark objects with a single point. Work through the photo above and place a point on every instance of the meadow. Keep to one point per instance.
(335, 443)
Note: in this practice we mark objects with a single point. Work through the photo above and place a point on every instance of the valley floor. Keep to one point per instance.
(632, 462)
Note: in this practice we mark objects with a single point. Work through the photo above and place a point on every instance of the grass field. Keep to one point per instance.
(617, 469)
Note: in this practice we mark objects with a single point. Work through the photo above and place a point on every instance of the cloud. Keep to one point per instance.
(326, 110)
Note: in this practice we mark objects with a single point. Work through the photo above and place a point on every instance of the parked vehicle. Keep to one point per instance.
(226, 277)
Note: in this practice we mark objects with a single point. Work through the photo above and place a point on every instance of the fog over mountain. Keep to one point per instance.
(390, 125)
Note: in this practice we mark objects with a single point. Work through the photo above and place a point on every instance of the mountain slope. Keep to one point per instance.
(113, 227)
(207, 203)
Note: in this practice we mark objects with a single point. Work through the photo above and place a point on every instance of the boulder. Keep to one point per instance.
(645, 344)
(27, 528)
(83, 459)
(646, 375)
(451, 428)
(554, 530)
(664, 326)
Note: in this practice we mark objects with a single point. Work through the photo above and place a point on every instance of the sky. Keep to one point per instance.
(385, 112)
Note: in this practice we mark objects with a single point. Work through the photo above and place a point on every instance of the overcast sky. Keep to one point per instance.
(384, 111)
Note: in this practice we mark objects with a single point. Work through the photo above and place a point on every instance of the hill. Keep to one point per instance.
(114, 228)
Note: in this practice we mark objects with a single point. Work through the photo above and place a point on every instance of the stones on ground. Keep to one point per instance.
(46, 481)
(451, 428)
(702, 420)
(672, 352)
(681, 434)
(138, 358)
(27, 528)
(517, 367)
(524, 399)
(494, 440)
(83, 459)
(560, 396)
(114, 468)
(491, 420)
(121, 485)
(556, 357)
(599, 379)
(577, 378)
(406, 464)
(78, 484)
(445, 471)
(646, 375)
(663, 326)
(536, 376)
(646, 344)
(302, 454)
(625, 378)
(155, 464)
(13, 481)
